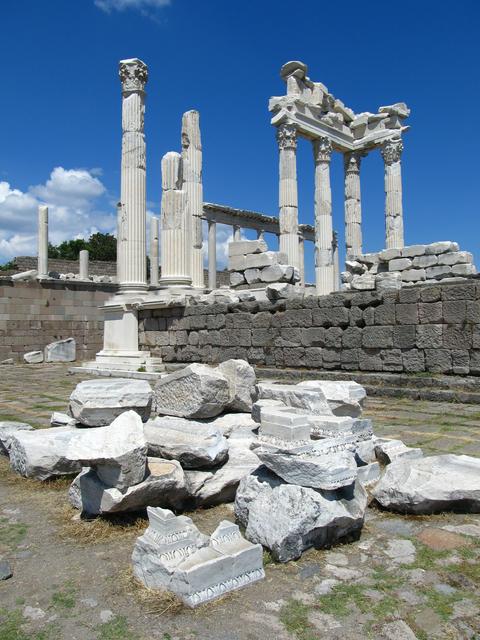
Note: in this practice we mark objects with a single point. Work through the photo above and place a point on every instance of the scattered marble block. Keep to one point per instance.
(33, 357)
(241, 377)
(195, 445)
(61, 351)
(7, 431)
(42, 453)
(197, 391)
(431, 485)
(96, 403)
(173, 555)
(334, 426)
(369, 474)
(387, 450)
(164, 486)
(288, 518)
(118, 453)
(229, 423)
(344, 398)
(311, 400)
(280, 291)
(259, 404)
(58, 419)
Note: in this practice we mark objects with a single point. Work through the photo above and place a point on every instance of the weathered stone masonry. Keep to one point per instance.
(429, 328)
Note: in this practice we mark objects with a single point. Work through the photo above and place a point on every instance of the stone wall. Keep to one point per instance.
(33, 314)
(433, 328)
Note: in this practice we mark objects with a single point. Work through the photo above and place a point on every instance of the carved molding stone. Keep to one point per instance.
(287, 136)
(391, 151)
(322, 149)
(352, 161)
(133, 75)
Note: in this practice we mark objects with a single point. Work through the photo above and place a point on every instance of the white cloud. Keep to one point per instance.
(121, 5)
(74, 198)
(224, 236)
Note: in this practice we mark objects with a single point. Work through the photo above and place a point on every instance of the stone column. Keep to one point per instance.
(260, 234)
(288, 196)
(154, 264)
(83, 258)
(42, 267)
(192, 185)
(336, 263)
(175, 218)
(353, 204)
(212, 254)
(322, 151)
(133, 271)
(391, 152)
(301, 247)
(237, 233)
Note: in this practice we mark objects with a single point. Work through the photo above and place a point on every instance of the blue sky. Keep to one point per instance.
(60, 107)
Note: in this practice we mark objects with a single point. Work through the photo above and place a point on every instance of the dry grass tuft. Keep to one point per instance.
(155, 602)
(100, 529)
(13, 479)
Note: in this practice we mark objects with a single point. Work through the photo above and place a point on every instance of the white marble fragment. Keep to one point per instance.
(242, 379)
(33, 357)
(61, 351)
(7, 431)
(344, 398)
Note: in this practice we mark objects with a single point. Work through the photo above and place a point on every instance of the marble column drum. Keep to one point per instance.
(288, 195)
(324, 269)
(42, 242)
(154, 261)
(391, 153)
(353, 205)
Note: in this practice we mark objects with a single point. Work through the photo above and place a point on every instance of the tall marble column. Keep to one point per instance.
(42, 267)
(353, 204)
(212, 254)
(324, 271)
(192, 184)
(301, 247)
(133, 269)
(336, 264)
(83, 264)
(391, 152)
(176, 246)
(288, 196)
(154, 264)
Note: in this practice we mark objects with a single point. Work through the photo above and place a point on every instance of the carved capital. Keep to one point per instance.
(391, 151)
(133, 75)
(287, 136)
(352, 161)
(322, 149)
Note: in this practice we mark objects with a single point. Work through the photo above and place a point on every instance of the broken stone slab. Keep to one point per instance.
(280, 291)
(284, 429)
(388, 281)
(431, 485)
(344, 398)
(310, 469)
(413, 251)
(313, 401)
(455, 257)
(118, 453)
(242, 247)
(464, 270)
(277, 273)
(95, 403)
(7, 361)
(7, 431)
(387, 450)
(33, 357)
(5, 570)
(252, 276)
(237, 278)
(195, 445)
(41, 453)
(366, 282)
(334, 426)
(266, 259)
(164, 486)
(369, 474)
(288, 518)
(441, 247)
(61, 351)
(389, 254)
(58, 419)
(260, 404)
(197, 391)
(229, 423)
(242, 379)
(399, 264)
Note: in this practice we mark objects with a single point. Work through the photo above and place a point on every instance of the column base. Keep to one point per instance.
(133, 361)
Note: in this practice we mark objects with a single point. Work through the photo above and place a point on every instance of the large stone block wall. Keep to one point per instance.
(421, 328)
(33, 314)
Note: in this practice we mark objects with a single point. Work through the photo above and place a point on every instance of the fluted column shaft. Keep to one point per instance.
(301, 247)
(176, 246)
(288, 194)
(83, 264)
(192, 185)
(132, 244)
(353, 204)
(324, 271)
(391, 152)
(42, 266)
(212, 254)
(154, 263)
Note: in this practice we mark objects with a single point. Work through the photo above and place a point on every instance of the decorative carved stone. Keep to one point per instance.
(392, 151)
(133, 75)
(287, 136)
(322, 149)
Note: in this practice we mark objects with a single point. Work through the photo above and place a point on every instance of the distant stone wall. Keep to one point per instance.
(33, 314)
(434, 328)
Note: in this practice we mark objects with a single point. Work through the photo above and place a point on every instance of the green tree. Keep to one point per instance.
(69, 249)
(102, 246)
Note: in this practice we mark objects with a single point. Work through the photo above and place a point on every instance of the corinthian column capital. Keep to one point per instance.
(322, 149)
(287, 136)
(133, 75)
(352, 161)
(391, 151)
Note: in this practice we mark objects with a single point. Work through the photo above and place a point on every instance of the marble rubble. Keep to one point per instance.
(61, 351)
(252, 265)
(33, 357)
(172, 555)
(95, 403)
(7, 430)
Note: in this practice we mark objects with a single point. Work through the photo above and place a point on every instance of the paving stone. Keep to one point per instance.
(464, 529)
(5, 570)
(325, 586)
(397, 630)
(441, 540)
(400, 551)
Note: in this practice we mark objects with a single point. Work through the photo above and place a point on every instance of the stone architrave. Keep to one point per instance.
(391, 152)
(154, 263)
(353, 204)
(42, 242)
(193, 186)
(176, 227)
(324, 267)
(288, 195)
(132, 245)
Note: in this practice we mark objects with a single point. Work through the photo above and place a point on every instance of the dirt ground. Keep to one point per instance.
(72, 579)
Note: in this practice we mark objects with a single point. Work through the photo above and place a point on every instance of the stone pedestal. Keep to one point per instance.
(391, 153)
(154, 264)
(83, 267)
(288, 196)
(353, 206)
(42, 242)
(324, 270)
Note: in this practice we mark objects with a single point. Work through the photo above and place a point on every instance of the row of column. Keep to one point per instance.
(325, 272)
